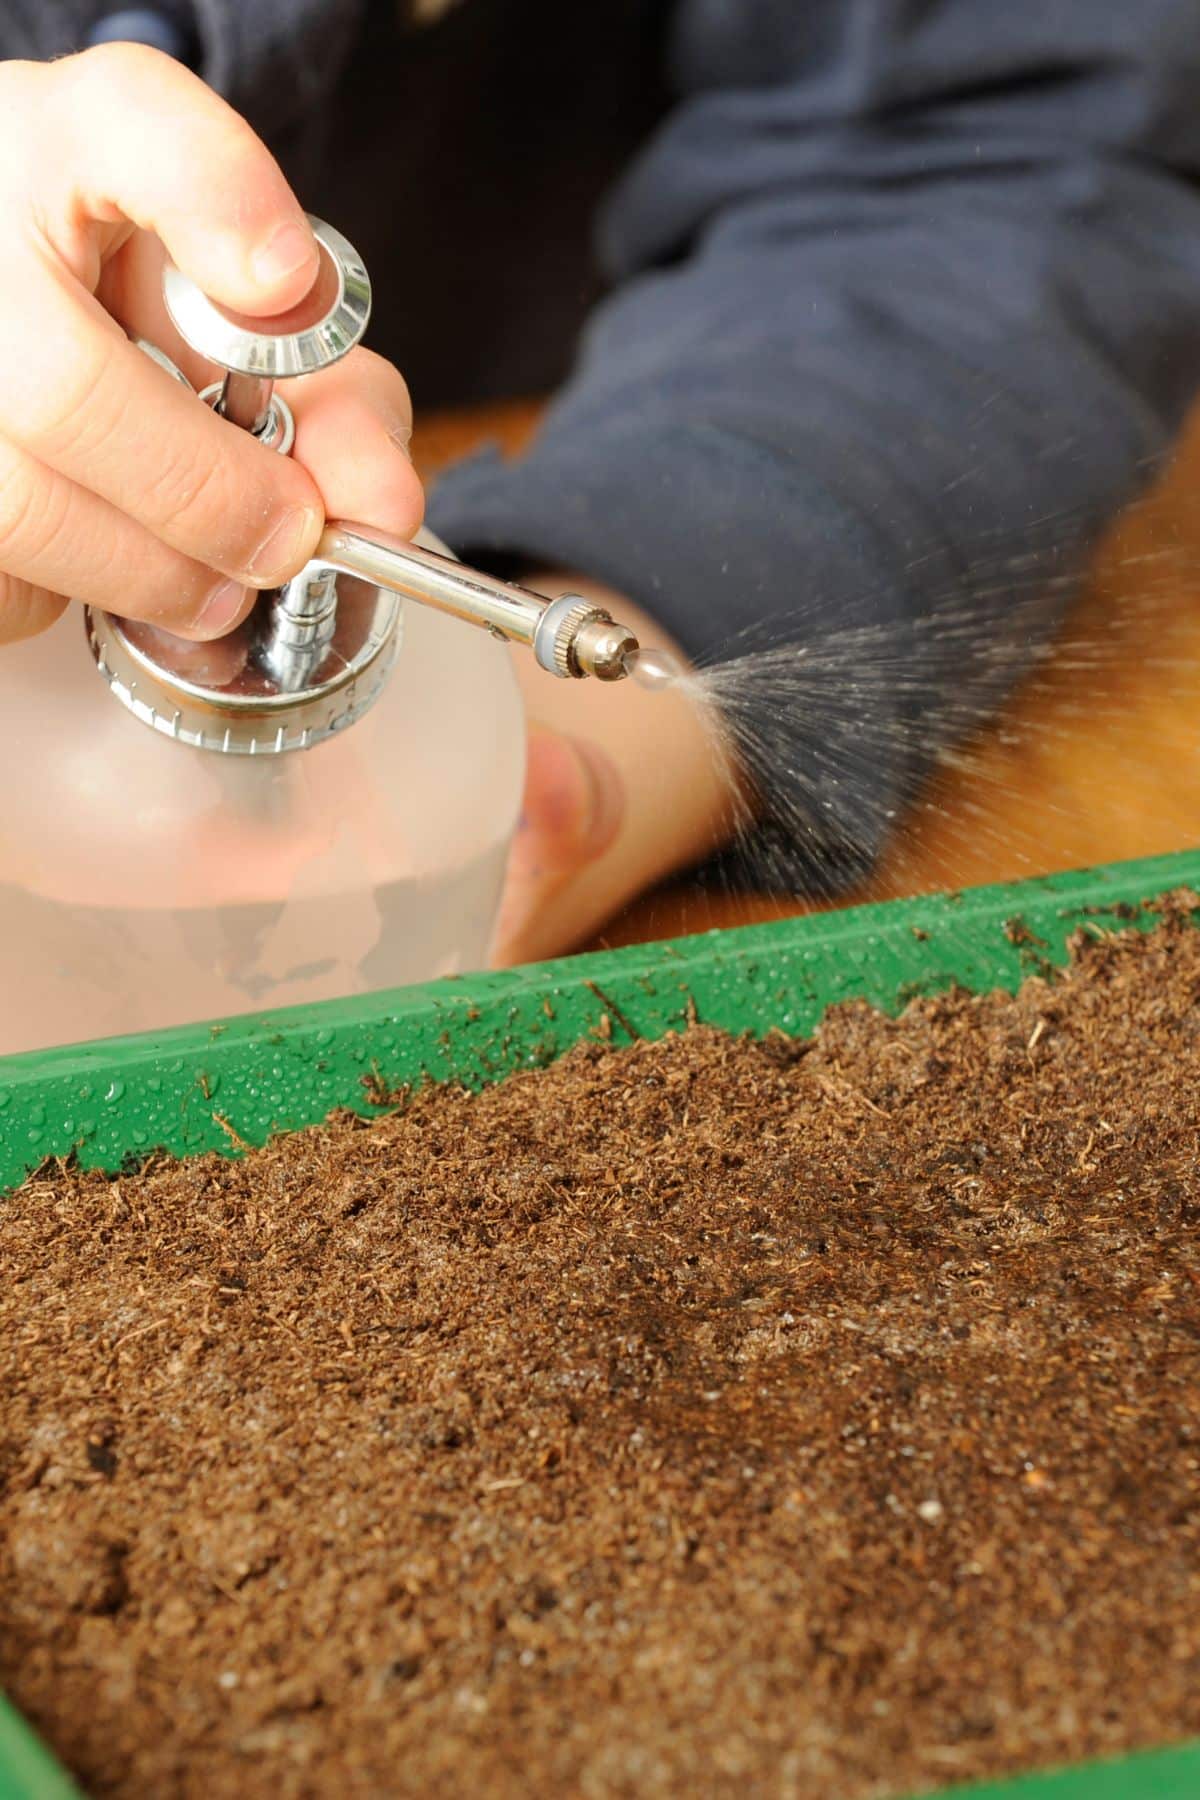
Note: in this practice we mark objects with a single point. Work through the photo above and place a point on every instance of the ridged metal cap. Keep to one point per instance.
(249, 714)
(319, 332)
(314, 655)
(555, 634)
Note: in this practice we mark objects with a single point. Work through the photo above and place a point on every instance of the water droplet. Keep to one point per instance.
(652, 669)
(323, 1037)
(116, 1089)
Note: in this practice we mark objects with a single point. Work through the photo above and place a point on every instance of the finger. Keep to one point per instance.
(214, 662)
(137, 138)
(353, 424)
(25, 610)
(140, 138)
(89, 404)
(353, 421)
(56, 539)
(131, 290)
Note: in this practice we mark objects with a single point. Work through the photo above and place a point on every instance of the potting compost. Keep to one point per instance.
(788, 1418)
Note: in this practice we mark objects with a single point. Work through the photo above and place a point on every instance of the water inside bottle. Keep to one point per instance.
(97, 969)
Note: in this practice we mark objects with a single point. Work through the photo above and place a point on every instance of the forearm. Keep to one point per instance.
(887, 452)
(908, 306)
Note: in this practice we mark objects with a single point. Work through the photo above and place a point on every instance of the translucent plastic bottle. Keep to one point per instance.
(324, 808)
(144, 882)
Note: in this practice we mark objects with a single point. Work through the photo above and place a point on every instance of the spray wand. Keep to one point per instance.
(569, 636)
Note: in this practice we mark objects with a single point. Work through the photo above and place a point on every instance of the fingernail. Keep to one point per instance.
(215, 661)
(291, 248)
(283, 551)
(401, 437)
(222, 610)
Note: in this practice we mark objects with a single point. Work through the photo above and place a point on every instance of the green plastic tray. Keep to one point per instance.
(215, 1086)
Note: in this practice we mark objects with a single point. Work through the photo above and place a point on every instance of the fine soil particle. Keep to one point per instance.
(705, 1417)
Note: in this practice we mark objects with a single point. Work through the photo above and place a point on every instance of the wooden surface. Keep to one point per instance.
(1094, 758)
(440, 438)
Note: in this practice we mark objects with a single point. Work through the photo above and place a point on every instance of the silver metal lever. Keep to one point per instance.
(569, 637)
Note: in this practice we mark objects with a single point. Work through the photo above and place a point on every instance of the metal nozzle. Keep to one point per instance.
(571, 637)
(574, 638)
(603, 648)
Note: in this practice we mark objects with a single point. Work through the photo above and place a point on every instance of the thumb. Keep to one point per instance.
(146, 141)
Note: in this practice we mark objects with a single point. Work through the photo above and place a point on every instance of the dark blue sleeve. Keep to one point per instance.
(276, 60)
(906, 304)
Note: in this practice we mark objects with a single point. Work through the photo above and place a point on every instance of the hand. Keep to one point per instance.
(623, 788)
(116, 486)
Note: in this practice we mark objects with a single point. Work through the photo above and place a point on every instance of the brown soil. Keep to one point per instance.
(706, 1417)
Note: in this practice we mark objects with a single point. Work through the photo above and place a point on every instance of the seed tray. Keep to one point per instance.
(229, 1084)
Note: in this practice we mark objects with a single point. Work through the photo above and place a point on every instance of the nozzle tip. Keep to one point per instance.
(652, 669)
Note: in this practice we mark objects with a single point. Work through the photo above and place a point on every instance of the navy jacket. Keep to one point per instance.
(903, 303)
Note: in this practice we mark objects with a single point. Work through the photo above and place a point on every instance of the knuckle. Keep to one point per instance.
(29, 520)
(194, 493)
(80, 413)
(189, 126)
(117, 71)
(221, 507)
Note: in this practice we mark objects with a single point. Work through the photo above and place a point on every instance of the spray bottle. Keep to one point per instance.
(319, 805)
